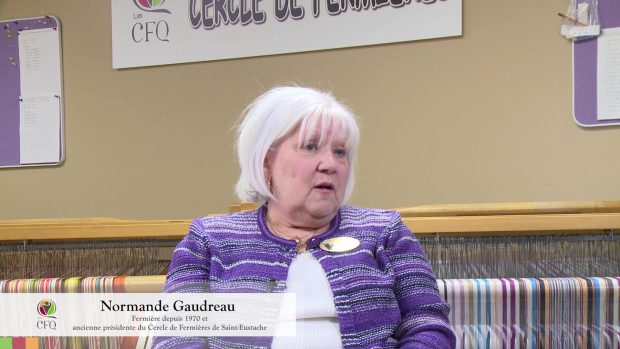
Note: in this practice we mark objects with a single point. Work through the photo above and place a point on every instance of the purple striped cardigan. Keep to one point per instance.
(385, 291)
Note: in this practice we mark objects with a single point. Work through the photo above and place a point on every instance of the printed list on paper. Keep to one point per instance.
(39, 130)
(608, 75)
(40, 90)
(39, 62)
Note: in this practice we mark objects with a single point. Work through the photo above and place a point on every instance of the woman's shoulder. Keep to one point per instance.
(354, 215)
(227, 223)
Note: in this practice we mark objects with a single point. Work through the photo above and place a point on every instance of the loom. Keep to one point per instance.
(517, 275)
(65, 248)
(519, 240)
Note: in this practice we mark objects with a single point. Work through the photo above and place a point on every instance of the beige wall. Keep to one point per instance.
(485, 117)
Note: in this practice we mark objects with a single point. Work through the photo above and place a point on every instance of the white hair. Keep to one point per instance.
(276, 113)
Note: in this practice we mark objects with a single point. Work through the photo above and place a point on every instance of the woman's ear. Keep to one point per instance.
(267, 166)
(267, 162)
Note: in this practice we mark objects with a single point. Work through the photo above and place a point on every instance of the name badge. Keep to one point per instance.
(339, 244)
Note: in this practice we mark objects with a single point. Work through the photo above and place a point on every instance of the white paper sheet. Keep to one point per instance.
(39, 129)
(608, 75)
(39, 62)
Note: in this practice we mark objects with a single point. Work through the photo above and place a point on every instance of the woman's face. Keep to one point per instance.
(308, 179)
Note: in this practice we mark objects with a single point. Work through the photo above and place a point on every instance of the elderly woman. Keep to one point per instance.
(360, 277)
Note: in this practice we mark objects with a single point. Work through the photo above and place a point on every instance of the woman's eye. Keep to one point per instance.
(341, 153)
(310, 147)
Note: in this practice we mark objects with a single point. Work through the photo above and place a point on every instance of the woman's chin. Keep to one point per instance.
(324, 210)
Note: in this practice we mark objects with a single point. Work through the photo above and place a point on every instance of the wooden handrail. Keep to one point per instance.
(511, 208)
(514, 224)
(68, 229)
(470, 219)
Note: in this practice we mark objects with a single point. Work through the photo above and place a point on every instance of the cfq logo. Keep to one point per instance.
(47, 309)
(151, 5)
(145, 31)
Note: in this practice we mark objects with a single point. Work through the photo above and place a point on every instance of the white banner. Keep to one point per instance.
(154, 32)
(147, 314)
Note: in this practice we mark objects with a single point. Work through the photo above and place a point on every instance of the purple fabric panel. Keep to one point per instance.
(584, 68)
(461, 295)
(609, 13)
(504, 312)
(513, 309)
(10, 83)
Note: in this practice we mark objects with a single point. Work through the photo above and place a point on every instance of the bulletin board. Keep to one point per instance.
(596, 65)
(31, 97)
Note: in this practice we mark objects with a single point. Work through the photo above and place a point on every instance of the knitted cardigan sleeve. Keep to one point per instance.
(424, 314)
(188, 272)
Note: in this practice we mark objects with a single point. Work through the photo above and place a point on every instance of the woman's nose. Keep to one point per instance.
(327, 162)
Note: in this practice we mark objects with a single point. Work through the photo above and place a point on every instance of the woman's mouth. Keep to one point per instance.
(324, 187)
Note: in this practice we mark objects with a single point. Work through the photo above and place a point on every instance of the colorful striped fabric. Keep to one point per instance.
(486, 313)
(20, 343)
(534, 313)
(103, 284)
